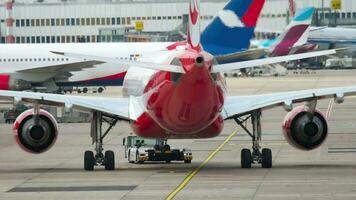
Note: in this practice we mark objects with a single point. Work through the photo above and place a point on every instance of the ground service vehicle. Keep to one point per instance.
(139, 150)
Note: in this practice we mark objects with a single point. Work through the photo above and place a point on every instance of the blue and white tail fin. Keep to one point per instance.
(296, 33)
(193, 32)
(232, 29)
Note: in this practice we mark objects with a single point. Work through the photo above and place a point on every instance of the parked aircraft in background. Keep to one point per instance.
(331, 37)
(291, 41)
(179, 94)
(33, 67)
(324, 37)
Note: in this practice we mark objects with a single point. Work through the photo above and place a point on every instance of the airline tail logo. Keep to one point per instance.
(232, 29)
(241, 13)
(194, 25)
(296, 33)
(193, 12)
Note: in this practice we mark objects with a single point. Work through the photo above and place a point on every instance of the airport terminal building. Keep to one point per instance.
(53, 21)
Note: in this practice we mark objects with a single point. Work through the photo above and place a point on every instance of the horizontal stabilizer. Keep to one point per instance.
(125, 63)
(267, 61)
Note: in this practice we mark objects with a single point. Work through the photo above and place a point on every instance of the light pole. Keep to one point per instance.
(322, 12)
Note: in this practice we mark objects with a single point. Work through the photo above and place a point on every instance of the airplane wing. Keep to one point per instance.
(266, 61)
(217, 68)
(115, 106)
(67, 67)
(239, 105)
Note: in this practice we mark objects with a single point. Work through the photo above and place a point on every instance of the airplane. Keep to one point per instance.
(292, 40)
(326, 37)
(334, 37)
(33, 67)
(180, 96)
(331, 37)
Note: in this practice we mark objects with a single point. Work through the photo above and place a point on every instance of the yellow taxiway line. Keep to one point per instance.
(196, 171)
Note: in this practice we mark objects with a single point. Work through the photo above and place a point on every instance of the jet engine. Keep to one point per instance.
(9, 83)
(35, 133)
(305, 130)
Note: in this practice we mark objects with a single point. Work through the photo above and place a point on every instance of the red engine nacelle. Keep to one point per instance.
(304, 130)
(8, 83)
(35, 137)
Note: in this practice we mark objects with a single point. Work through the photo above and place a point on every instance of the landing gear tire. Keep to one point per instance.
(109, 160)
(89, 161)
(85, 90)
(137, 160)
(100, 90)
(129, 155)
(187, 161)
(166, 148)
(246, 158)
(266, 159)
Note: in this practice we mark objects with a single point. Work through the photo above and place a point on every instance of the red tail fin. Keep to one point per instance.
(194, 25)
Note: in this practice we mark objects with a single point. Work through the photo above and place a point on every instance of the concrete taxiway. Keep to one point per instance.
(326, 173)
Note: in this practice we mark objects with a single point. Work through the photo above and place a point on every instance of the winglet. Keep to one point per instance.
(194, 25)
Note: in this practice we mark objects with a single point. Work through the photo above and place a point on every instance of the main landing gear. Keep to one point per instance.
(100, 158)
(257, 156)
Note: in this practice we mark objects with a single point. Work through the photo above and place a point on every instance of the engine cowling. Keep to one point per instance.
(9, 83)
(304, 130)
(35, 137)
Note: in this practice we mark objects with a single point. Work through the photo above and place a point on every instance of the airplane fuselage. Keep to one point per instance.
(15, 57)
(178, 105)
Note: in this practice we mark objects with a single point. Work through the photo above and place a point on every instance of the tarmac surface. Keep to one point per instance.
(326, 173)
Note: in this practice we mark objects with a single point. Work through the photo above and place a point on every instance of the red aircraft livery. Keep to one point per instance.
(180, 95)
